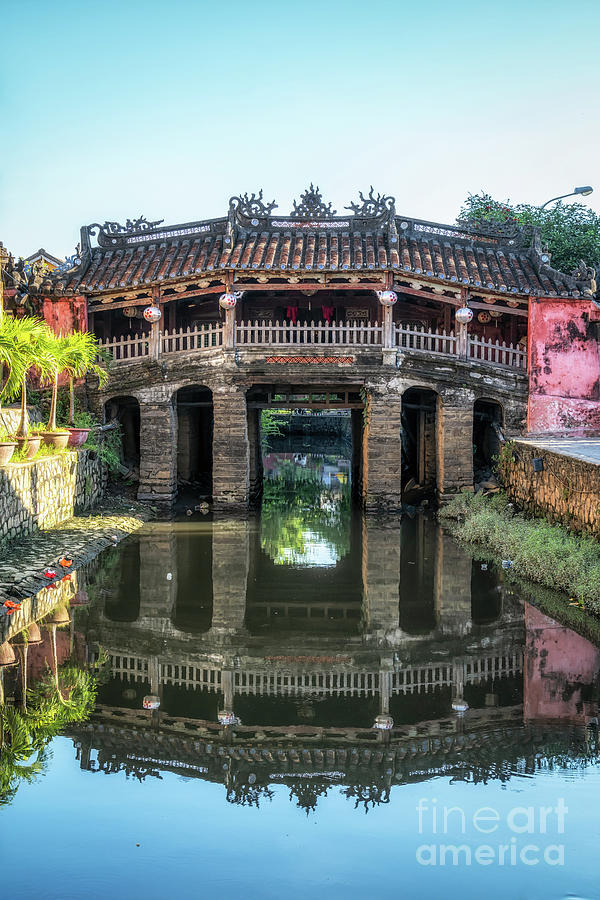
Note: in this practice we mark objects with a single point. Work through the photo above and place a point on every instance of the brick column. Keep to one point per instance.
(230, 561)
(454, 442)
(452, 586)
(382, 452)
(158, 446)
(381, 577)
(231, 452)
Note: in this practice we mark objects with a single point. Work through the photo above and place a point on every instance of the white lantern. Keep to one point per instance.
(227, 717)
(152, 314)
(387, 298)
(464, 315)
(228, 300)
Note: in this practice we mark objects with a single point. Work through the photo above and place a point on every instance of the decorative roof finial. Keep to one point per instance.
(311, 205)
(372, 206)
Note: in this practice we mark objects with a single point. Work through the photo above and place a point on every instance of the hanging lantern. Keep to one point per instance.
(152, 314)
(229, 299)
(151, 701)
(387, 298)
(464, 315)
(495, 313)
(483, 317)
(131, 312)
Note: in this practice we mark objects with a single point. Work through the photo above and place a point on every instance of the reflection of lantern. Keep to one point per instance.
(483, 317)
(383, 723)
(387, 298)
(460, 706)
(226, 717)
(151, 701)
(464, 315)
(152, 314)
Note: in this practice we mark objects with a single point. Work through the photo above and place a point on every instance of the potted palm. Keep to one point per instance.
(81, 354)
(53, 436)
(11, 364)
(34, 342)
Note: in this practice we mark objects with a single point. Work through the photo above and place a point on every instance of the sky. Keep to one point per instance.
(120, 108)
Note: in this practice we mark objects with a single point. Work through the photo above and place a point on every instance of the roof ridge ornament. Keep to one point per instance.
(373, 206)
(311, 205)
(510, 230)
(251, 206)
(131, 226)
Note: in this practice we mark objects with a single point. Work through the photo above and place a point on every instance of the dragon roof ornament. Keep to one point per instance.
(373, 206)
(311, 205)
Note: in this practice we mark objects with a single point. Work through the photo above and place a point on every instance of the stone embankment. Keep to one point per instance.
(559, 480)
(82, 538)
(44, 492)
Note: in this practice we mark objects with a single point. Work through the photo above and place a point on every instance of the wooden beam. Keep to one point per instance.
(309, 286)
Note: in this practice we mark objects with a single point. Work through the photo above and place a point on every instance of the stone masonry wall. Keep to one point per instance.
(566, 491)
(43, 493)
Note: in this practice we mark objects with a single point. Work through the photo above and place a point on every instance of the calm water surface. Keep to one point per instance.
(307, 623)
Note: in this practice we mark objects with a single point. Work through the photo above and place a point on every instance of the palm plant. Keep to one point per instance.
(10, 359)
(34, 345)
(74, 353)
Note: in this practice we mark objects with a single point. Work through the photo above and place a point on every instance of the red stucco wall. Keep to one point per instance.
(66, 314)
(564, 366)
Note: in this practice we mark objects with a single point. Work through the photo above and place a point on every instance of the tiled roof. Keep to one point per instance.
(372, 239)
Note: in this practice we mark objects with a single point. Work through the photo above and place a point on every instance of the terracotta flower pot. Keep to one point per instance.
(30, 444)
(35, 636)
(7, 448)
(56, 439)
(7, 655)
(59, 616)
(78, 436)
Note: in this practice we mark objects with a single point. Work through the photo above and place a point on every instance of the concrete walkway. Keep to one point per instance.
(586, 449)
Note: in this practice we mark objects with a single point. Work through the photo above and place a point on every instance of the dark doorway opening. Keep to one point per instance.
(419, 417)
(487, 437)
(125, 412)
(195, 439)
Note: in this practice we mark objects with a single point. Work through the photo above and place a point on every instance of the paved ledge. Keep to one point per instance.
(586, 449)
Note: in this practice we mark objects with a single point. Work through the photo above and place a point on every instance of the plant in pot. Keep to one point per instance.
(34, 341)
(55, 437)
(13, 366)
(81, 354)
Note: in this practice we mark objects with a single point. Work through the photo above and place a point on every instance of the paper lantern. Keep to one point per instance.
(464, 315)
(152, 314)
(387, 298)
(483, 317)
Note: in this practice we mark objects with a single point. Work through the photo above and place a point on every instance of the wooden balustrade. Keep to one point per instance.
(267, 333)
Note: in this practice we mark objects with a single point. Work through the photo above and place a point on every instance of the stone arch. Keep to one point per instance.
(488, 425)
(195, 427)
(419, 437)
(124, 410)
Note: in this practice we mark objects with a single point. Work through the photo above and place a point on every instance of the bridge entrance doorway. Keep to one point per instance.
(419, 445)
(487, 435)
(194, 440)
(124, 412)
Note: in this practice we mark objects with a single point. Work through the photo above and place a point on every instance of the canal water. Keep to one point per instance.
(304, 627)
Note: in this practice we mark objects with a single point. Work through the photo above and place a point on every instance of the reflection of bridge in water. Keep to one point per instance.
(420, 627)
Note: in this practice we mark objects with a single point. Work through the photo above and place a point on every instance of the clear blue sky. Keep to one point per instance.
(115, 109)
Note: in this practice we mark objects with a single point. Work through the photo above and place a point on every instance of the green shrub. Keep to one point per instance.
(547, 554)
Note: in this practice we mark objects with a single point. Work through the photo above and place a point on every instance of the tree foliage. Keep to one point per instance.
(569, 231)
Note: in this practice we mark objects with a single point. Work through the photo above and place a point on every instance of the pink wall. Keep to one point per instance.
(66, 314)
(564, 366)
(559, 668)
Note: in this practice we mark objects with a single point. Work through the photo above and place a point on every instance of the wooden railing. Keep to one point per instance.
(341, 334)
(348, 334)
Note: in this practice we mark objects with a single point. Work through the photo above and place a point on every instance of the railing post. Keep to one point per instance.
(387, 300)
(227, 302)
(462, 341)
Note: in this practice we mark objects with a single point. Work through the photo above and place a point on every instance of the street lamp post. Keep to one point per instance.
(584, 191)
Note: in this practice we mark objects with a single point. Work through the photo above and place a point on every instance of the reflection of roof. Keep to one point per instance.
(371, 239)
(485, 749)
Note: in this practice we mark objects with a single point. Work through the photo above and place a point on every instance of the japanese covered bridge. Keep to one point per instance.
(209, 322)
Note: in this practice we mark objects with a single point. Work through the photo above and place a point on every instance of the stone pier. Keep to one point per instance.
(158, 444)
(382, 451)
(454, 442)
(231, 450)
